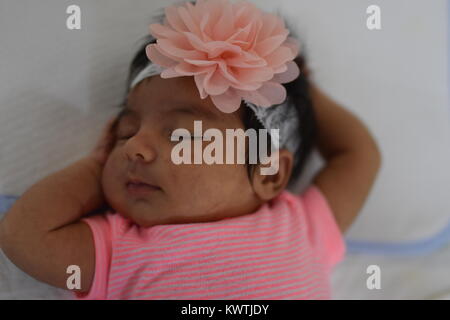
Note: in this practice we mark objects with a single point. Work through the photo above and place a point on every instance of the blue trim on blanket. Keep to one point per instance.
(409, 248)
(6, 202)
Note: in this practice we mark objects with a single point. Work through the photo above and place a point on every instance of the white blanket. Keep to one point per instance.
(58, 87)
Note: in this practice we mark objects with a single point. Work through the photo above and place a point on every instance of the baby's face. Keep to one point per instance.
(183, 193)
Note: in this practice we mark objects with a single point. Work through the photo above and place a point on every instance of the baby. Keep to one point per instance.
(139, 226)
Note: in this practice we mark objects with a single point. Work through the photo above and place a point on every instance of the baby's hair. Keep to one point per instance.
(297, 94)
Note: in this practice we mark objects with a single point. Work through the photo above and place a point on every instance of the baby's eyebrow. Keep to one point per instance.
(191, 110)
(185, 109)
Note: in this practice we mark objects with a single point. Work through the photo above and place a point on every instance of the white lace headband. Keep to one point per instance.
(283, 116)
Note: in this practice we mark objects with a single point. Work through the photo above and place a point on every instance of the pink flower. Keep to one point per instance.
(234, 51)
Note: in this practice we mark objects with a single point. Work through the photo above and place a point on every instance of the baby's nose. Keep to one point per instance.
(139, 156)
(139, 148)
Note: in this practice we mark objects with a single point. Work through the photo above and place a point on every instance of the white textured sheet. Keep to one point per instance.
(419, 277)
(58, 87)
(396, 81)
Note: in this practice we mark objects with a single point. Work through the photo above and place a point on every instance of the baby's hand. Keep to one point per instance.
(105, 144)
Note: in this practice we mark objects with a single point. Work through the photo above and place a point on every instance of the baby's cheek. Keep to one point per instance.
(187, 183)
(111, 181)
(211, 180)
(108, 170)
(108, 188)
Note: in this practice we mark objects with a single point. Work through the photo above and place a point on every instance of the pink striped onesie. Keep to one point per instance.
(284, 250)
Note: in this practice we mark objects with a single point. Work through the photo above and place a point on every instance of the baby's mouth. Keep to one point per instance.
(138, 187)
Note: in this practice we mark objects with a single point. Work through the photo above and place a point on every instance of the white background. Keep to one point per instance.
(58, 87)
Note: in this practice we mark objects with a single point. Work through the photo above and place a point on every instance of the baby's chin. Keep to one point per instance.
(144, 223)
(147, 220)
(143, 217)
(133, 215)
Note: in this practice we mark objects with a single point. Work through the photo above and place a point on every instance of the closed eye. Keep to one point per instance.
(180, 138)
(124, 138)
(125, 133)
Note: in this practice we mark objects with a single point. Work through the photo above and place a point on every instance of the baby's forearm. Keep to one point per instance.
(352, 157)
(57, 200)
(340, 131)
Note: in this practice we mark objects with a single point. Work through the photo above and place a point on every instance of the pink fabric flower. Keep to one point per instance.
(234, 51)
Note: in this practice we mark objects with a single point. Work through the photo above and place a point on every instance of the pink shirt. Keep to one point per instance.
(285, 250)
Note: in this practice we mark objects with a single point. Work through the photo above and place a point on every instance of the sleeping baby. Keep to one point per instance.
(139, 225)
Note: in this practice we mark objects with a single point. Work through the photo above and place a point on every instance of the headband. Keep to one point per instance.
(235, 52)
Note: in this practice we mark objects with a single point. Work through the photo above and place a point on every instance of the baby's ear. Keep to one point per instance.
(272, 176)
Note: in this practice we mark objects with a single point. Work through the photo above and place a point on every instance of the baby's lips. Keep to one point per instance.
(138, 181)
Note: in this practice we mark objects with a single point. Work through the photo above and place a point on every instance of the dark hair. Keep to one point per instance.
(297, 93)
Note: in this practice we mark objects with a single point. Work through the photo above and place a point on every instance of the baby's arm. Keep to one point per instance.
(352, 157)
(42, 233)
